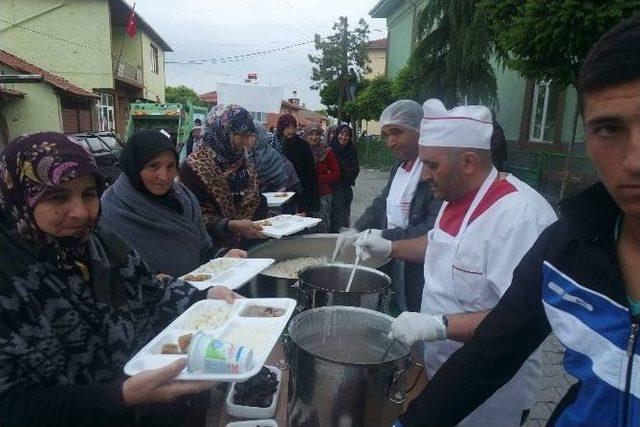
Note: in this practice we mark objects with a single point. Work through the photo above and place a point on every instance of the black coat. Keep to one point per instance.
(297, 150)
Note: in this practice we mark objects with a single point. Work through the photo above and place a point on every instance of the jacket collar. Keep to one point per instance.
(591, 213)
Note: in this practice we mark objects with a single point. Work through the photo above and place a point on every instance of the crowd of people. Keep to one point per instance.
(483, 269)
(90, 274)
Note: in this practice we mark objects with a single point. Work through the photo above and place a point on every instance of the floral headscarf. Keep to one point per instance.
(31, 165)
(285, 121)
(320, 149)
(221, 123)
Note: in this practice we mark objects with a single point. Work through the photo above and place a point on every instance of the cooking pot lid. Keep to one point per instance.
(349, 335)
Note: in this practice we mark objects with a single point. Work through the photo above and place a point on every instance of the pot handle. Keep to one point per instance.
(303, 297)
(385, 302)
(396, 393)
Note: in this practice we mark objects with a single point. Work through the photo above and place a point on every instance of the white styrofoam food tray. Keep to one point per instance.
(242, 411)
(279, 198)
(225, 322)
(229, 272)
(285, 225)
(253, 423)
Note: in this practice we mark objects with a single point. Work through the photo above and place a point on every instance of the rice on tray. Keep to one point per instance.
(289, 269)
(206, 318)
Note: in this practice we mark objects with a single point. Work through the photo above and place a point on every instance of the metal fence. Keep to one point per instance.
(373, 153)
(541, 169)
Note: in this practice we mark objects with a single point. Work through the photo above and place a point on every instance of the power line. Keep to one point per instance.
(240, 57)
(41, 33)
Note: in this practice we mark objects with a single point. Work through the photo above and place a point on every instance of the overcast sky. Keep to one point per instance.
(213, 29)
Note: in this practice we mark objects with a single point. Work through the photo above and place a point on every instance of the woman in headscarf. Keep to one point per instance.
(342, 144)
(275, 172)
(328, 170)
(76, 302)
(224, 180)
(155, 214)
(287, 142)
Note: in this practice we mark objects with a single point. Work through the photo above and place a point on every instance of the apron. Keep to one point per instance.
(501, 410)
(401, 192)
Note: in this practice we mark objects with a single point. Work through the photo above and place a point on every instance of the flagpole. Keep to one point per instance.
(124, 38)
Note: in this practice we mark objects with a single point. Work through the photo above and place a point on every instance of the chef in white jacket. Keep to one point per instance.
(486, 225)
(405, 208)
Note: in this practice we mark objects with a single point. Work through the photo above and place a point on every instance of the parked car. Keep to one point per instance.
(105, 147)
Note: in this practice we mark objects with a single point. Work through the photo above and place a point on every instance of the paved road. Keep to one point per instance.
(555, 381)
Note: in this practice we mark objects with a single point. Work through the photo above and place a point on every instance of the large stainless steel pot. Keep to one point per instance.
(336, 375)
(309, 245)
(325, 285)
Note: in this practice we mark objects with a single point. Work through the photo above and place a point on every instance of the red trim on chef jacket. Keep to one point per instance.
(454, 213)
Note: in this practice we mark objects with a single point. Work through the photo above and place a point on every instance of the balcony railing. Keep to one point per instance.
(126, 71)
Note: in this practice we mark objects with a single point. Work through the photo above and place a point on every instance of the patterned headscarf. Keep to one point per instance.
(284, 121)
(221, 123)
(320, 149)
(31, 165)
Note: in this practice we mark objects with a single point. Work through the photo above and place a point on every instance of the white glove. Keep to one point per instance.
(410, 327)
(373, 245)
(346, 238)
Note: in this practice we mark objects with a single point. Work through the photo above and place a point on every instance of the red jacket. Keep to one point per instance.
(328, 172)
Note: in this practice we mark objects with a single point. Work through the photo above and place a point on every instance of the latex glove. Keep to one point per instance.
(411, 327)
(346, 238)
(373, 245)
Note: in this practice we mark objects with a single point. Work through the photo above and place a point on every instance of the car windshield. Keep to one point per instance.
(95, 145)
(111, 142)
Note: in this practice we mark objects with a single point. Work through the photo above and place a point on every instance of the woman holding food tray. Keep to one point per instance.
(154, 213)
(76, 302)
(224, 180)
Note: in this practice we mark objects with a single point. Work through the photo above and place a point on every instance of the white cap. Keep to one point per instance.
(405, 113)
(468, 126)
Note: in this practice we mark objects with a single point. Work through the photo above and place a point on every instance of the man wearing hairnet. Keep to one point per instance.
(406, 207)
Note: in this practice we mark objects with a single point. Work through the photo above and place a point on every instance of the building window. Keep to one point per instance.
(154, 59)
(106, 117)
(259, 116)
(543, 112)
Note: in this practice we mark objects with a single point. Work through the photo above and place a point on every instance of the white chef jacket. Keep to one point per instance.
(473, 249)
(401, 192)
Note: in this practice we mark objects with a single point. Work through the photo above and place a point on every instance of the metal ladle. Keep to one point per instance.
(355, 264)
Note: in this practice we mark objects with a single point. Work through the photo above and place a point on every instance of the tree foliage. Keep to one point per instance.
(549, 40)
(374, 96)
(182, 95)
(339, 53)
(452, 59)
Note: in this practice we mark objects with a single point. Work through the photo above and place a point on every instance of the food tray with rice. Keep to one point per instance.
(252, 326)
(275, 200)
(285, 225)
(229, 272)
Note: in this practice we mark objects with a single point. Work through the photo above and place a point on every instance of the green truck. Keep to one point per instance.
(175, 119)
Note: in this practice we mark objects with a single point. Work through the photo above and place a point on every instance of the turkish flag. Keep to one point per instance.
(132, 27)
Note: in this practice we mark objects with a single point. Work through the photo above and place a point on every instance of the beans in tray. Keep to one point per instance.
(180, 348)
(259, 311)
(257, 391)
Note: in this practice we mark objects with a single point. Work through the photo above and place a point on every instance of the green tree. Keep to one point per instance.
(182, 95)
(341, 62)
(549, 40)
(375, 95)
(452, 59)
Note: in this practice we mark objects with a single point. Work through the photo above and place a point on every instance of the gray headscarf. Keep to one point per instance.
(274, 170)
